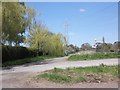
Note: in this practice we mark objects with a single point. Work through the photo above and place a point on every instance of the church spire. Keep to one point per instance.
(103, 39)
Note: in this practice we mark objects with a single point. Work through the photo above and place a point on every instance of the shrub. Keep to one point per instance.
(16, 52)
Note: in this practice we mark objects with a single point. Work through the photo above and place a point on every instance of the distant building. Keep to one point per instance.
(98, 43)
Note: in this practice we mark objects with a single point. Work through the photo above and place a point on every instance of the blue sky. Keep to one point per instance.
(87, 20)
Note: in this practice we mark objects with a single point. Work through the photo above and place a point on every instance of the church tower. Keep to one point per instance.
(103, 39)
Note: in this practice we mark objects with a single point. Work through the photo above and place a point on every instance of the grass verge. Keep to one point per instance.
(93, 56)
(26, 60)
(95, 74)
(22, 61)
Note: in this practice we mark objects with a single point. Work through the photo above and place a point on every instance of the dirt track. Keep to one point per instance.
(21, 76)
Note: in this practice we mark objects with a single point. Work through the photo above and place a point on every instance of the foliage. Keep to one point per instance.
(10, 53)
(116, 46)
(80, 74)
(86, 46)
(13, 25)
(104, 47)
(72, 49)
(93, 56)
(44, 41)
(56, 44)
(16, 18)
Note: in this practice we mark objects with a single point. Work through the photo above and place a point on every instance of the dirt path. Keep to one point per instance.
(21, 76)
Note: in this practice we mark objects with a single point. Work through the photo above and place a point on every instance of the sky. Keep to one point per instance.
(86, 21)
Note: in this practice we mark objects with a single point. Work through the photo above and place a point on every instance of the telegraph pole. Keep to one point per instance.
(66, 25)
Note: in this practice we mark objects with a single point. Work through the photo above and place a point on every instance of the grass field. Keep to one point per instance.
(93, 56)
(75, 75)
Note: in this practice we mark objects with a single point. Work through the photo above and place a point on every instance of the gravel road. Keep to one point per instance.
(21, 76)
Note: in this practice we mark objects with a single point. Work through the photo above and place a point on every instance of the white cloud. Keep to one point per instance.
(82, 10)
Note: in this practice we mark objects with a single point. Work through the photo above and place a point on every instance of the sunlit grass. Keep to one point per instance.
(93, 56)
(80, 74)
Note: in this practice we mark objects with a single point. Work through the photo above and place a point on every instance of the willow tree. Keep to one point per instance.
(13, 22)
(38, 37)
(56, 44)
(44, 41)
(16, 18)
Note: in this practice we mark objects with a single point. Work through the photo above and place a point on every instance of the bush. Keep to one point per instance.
(17, 52)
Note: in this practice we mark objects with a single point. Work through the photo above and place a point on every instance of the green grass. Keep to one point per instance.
(93, 56)
(51, 56)
(26, 60)
(55, 77)
(22, 61)
(81, 74)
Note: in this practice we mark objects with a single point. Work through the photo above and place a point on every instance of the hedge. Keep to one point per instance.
(16, 52)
